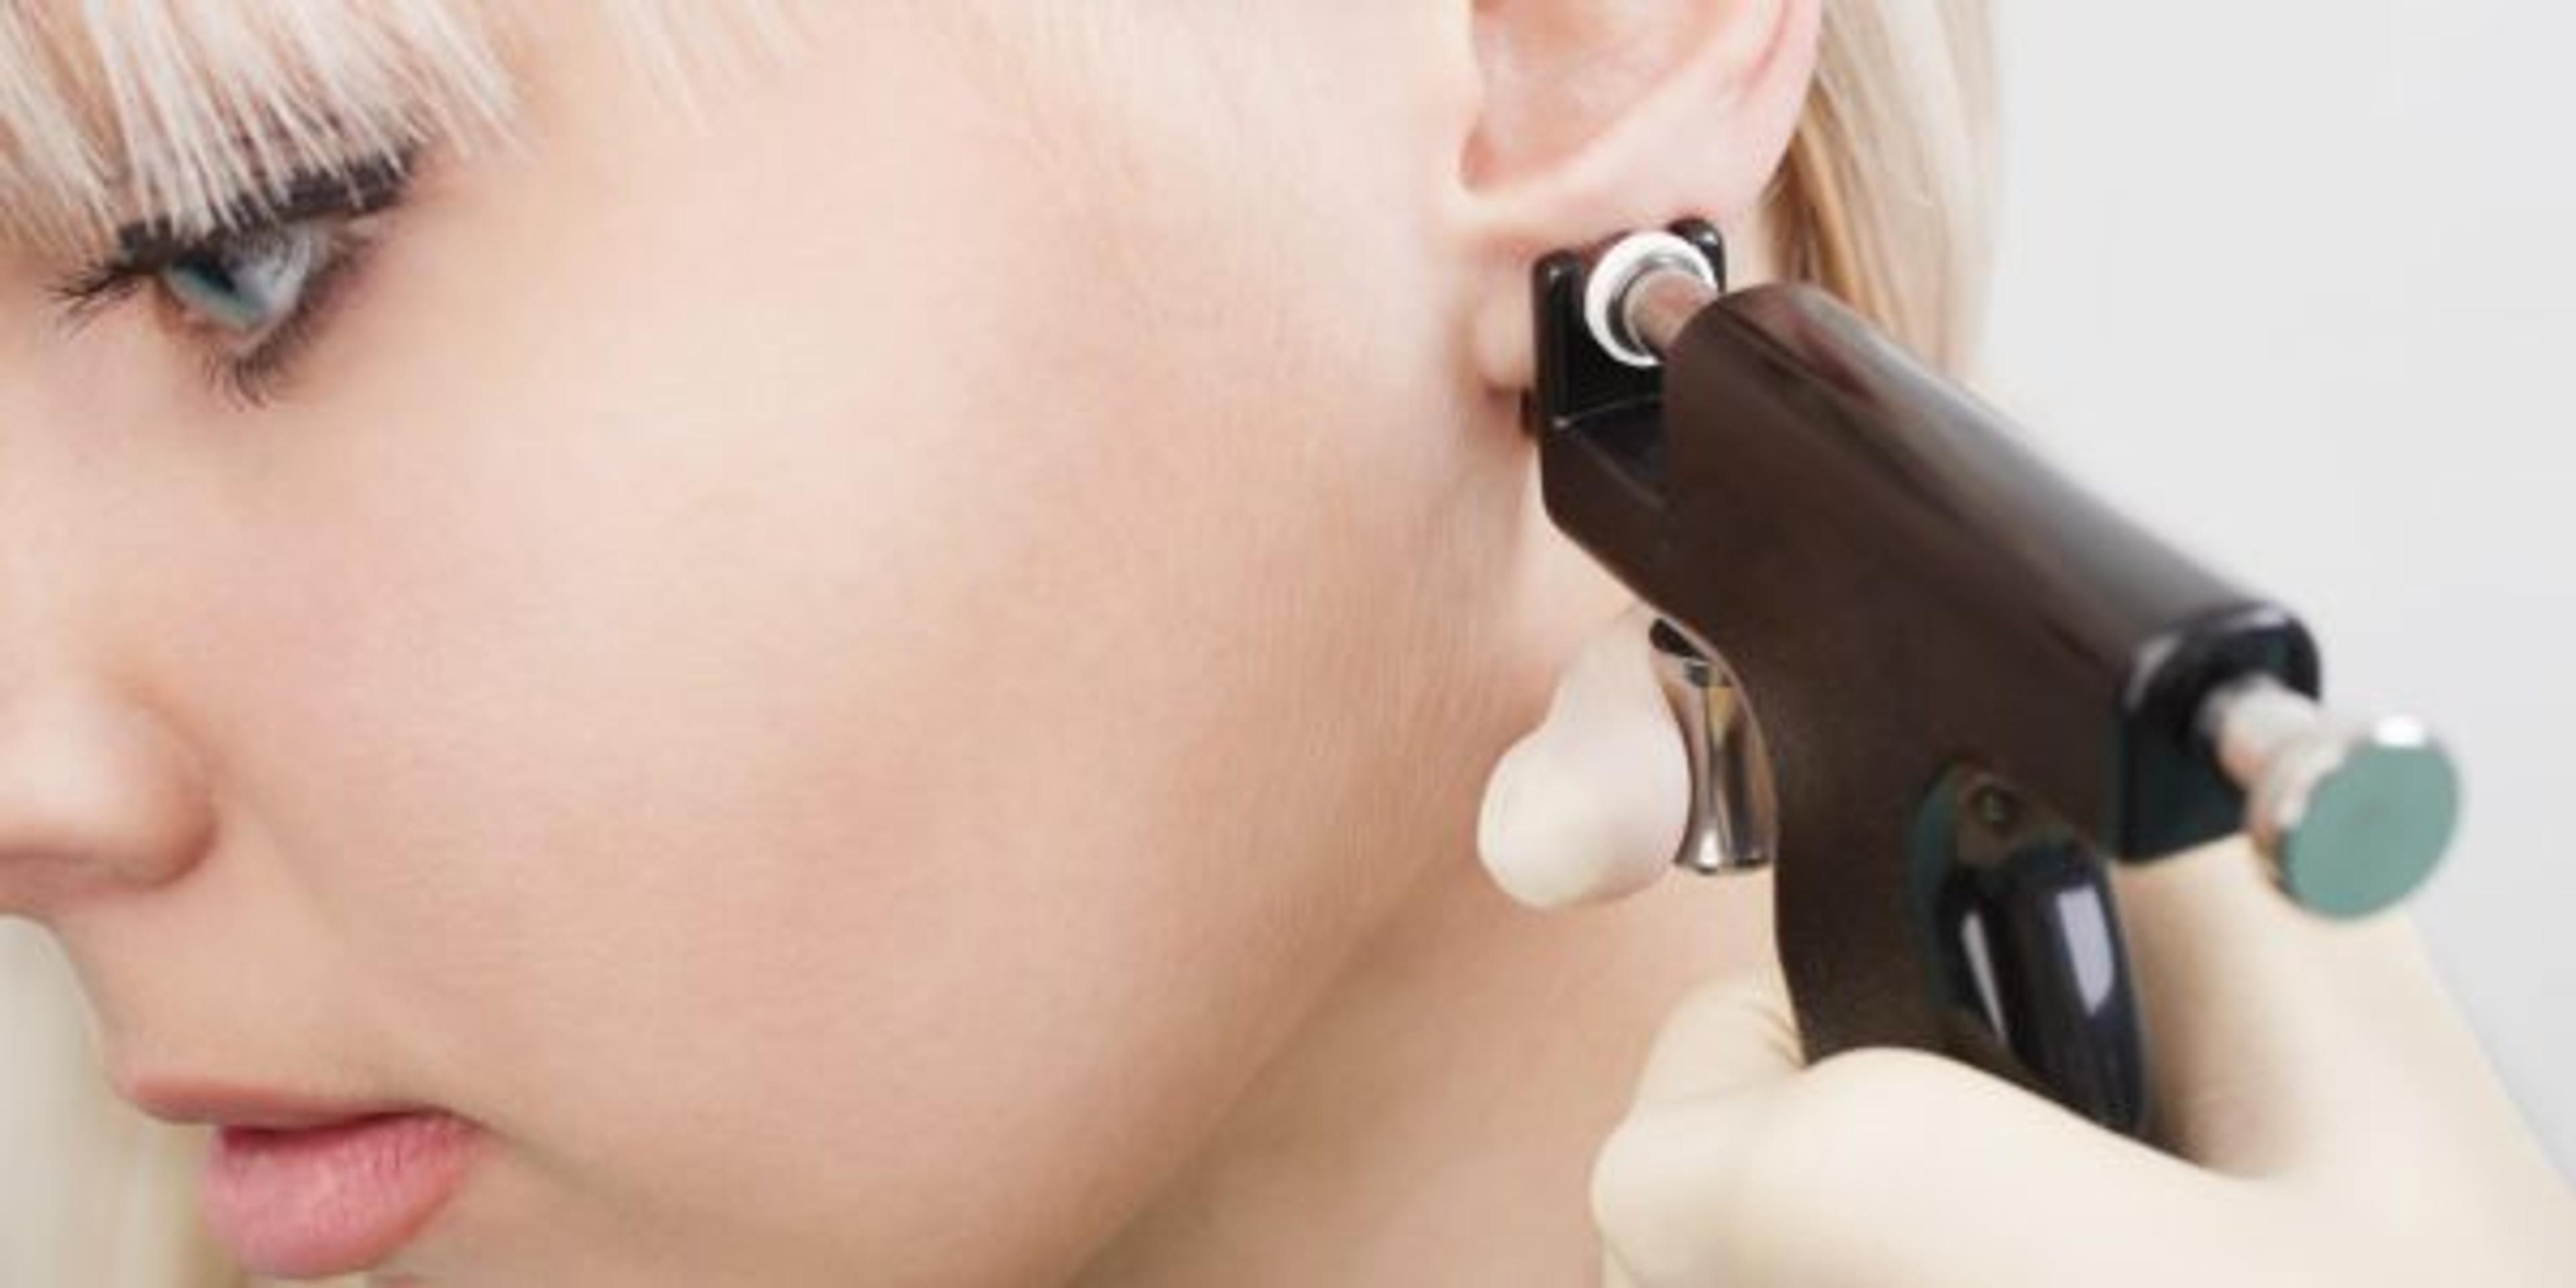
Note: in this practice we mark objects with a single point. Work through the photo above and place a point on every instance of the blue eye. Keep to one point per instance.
(247, 286)
(251, 295)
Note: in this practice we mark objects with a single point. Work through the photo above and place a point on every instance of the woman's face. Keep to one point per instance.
(832, 678)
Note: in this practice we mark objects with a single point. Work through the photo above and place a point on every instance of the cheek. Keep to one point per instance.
(983, 832)
(945, 772)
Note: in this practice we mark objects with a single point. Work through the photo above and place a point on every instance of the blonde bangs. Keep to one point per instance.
(189, 112)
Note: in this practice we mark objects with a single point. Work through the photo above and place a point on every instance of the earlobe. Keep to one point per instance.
(1599, 117)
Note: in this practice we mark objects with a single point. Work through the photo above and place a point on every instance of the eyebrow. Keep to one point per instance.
(193, 114)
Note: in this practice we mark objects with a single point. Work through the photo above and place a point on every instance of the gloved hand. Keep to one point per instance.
(2336, 1120)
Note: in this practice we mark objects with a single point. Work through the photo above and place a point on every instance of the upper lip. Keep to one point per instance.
(219, 1103)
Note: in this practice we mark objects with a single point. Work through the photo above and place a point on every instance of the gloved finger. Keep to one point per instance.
(1898, 1167)
(1731, 1034)
(1591, 805)
(2275, 1033)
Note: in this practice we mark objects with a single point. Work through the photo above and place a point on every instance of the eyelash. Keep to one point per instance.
(344, 208)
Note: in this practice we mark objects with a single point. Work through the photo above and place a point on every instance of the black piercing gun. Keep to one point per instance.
(1936, 681)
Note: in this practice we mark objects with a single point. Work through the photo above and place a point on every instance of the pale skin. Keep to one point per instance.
(894, 689)
(898, 681)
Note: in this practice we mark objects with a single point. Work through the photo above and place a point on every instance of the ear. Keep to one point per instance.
(1594, 117)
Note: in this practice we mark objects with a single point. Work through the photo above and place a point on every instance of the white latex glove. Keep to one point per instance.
(2338, 1123)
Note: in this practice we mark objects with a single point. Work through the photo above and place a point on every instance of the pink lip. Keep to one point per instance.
(308, 1200)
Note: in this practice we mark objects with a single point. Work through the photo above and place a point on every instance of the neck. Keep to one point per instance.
(1435, 1119)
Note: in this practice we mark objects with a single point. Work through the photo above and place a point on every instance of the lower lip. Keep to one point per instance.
(335, 1199)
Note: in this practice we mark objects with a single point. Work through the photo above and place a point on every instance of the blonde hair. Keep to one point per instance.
(1884, 199)
(195, 113)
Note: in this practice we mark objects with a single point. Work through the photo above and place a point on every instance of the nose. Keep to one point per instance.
(97, 792)
(94, 797)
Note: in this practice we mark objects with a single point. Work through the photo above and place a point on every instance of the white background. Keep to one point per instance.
(2293, 282)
